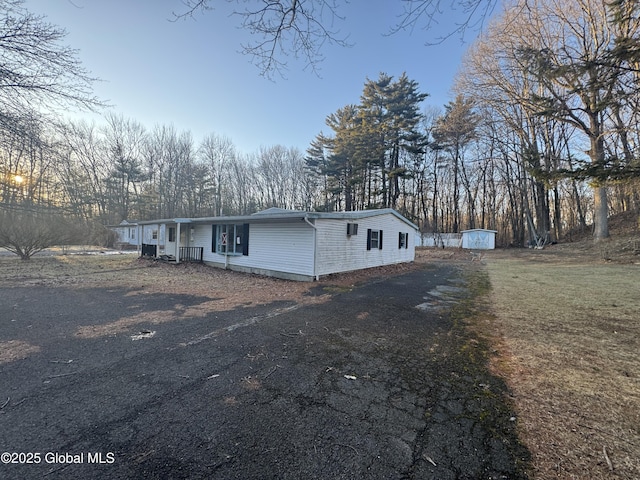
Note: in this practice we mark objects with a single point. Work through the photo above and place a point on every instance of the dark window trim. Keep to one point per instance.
(245, 238)
(370, 241)
(403, 240)
(239, 230)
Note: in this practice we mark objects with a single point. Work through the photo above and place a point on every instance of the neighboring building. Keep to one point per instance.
(285, 243)
(441, 240)
(479, 239)
(126, 235)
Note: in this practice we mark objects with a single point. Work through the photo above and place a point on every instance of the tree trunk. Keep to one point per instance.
(600, 207)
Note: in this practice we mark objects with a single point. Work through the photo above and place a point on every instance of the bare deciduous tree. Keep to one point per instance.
(124, 141)
(218, 154)
(26, 231)
(82, 167)
(553, 60)
(38, 70)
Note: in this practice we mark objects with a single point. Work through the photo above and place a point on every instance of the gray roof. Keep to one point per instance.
(277, 215)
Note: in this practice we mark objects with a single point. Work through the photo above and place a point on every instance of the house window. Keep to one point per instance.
(352, 229)
(132, 233)
(403, 240)
(374, 239)
(230, 239)
(154, 234)
(172, 234)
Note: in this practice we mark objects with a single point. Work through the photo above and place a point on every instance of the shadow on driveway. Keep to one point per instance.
(374, 383)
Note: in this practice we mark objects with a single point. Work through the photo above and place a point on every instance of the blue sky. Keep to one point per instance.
(190, 73)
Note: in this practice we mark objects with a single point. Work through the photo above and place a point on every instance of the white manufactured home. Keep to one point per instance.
(126, 234)
(285, 243)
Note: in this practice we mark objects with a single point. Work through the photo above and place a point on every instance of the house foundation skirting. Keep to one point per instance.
(298, 277)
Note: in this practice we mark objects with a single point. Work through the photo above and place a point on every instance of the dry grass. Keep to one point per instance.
(570, 343)
(15, 350)
(63, 270)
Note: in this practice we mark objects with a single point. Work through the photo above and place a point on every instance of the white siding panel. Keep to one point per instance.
(147, 236)
(202, 238)
(280, 247)
(339, 253)
(277, 247)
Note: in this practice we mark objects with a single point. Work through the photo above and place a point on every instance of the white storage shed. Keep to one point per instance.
(479, 239)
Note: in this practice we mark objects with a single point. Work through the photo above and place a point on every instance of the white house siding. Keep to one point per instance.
(126, 234)
(201, 237)
(337, 252)
(133, 237)
(147, 236)
(277, 249)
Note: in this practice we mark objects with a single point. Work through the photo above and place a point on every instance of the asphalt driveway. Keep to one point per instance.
(380, 381)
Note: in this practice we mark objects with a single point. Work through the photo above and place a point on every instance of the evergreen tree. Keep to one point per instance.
(453, 132)
(391, 115)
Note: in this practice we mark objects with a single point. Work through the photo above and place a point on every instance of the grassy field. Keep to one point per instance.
(567, 337)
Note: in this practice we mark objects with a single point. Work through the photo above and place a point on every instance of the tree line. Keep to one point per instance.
(541, 139)
(120, 170)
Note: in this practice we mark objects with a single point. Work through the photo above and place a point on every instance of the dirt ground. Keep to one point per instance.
(115, 367)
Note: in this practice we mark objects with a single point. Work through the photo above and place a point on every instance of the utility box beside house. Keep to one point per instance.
(479, 239)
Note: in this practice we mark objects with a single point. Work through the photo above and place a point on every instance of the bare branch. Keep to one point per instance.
(192, 6)
(280, 28)
(37, 68)
(293, 26)
(425, 14)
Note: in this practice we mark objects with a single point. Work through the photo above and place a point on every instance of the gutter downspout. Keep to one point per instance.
(315, 246)
(177, 243)
(226, 251)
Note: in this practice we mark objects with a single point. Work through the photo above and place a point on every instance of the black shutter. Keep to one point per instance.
(406, 238)
(368, 239)
(245, 238)
(380, 239)
(400, 238)
(214, 237)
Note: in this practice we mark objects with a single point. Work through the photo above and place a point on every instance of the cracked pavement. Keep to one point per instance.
(377, 382)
